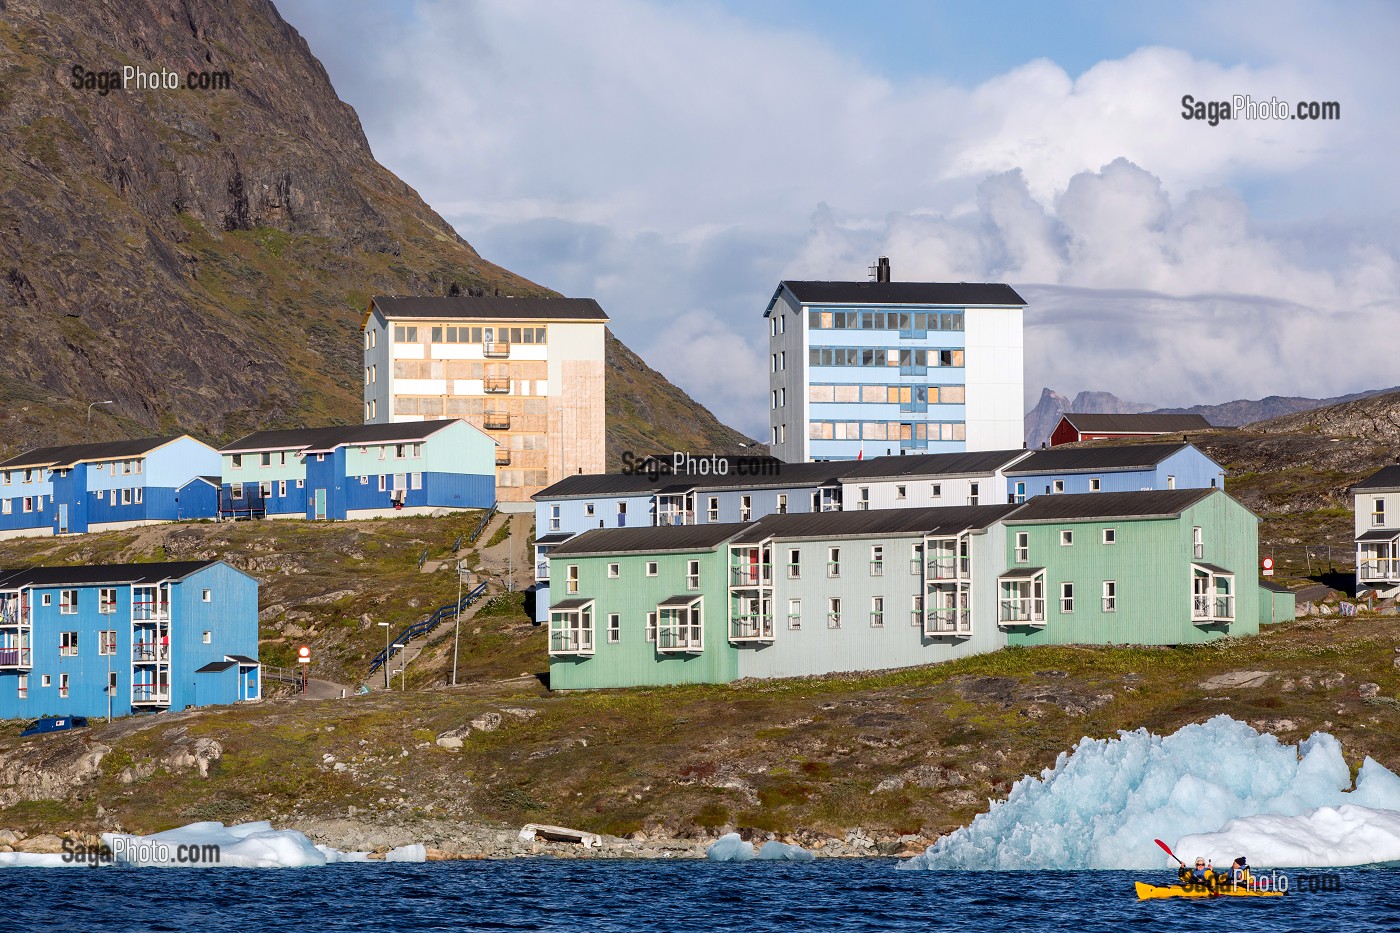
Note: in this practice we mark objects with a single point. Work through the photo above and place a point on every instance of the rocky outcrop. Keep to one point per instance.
(49, 769)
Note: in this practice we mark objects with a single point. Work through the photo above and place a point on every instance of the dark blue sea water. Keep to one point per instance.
(545, 894)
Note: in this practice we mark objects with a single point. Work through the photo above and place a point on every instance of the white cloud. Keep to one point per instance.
(675, 161)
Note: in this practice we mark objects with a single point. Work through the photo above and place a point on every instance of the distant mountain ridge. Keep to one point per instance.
(1041, 420)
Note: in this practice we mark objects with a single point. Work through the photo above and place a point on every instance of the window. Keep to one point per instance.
(651, 568)
(782, 398)
(126, 497)
(29, 503)
(614, 628)
(972, 493)
(916, 610)
(107, 642)
(1198, 544)
(877, 612)
(267, 458)
(833, 612)
(67, 602)
(374, 373)
(6, 507)
(235, 461)
(745, 508)
(22, 686)
(588, 509)
(301, 484)
(282, 486)
(415, 481)
(373, 408)
(877, 560)
(45, 681)
(571, 579)
(405, 333)
(614, 571)
(713, 509)
(206, 596)
(899, 492)
(265, 490)
(1171, 482)
(1110, 596)
(1093, 484)
(1020, 493)
(794, 567)
(46, 599)
(782, 361)
(651, 627)
(1378, 512)
(112, 684)
(1066, 538)
(554, 518)
(207, 638)
(782, 503)
(773, 400)
(235, 491)
(862, 498)
(794, 614)
(1066, 597)
(62, 686)
(1023, 547)
(107, 601)
(383, 483)
(1110, 536)
(68, 644)
(692, 575)
(833, 562)
(622, 515)
(1058, 486)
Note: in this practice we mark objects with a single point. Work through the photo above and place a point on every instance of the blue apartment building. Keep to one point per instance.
(1122, 468)
(882, 367)
(359, 471)
(98, 487)
(132, 638)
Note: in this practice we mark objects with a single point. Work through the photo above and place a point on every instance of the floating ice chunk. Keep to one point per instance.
(248, 845)
(729, 848)
(38, 860)
(413, 853)
(335, 856)
(1101, 805)
(773, 850)
(1328, 837)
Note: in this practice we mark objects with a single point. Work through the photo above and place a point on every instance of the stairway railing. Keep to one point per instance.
(424, 626)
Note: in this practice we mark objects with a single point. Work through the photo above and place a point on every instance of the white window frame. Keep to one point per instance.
(68, 644)
(614, 571)
(107, 600)
(1066, 537)
(1057, 486)
(833, 612)
(68, 602)
(1022, 552)
(651, 628)
(1094, 484)
(794, 618)
(1110, 596)
(833, 562)
(877, 612)
(571, 579)
(1109, 536)
(692, 575)
(794, 564)
(63, 686)
(1067, 597)
(653, 568)
(614, 628)
(107, 642)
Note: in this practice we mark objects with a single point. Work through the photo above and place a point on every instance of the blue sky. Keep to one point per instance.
(675, 160)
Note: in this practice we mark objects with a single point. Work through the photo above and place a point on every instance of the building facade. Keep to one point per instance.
(126, 638)
(99, 487)
(1074, 427)
(1114, 468)
(1376, 512)
(867, 368)
(359, 471)
(529, 372)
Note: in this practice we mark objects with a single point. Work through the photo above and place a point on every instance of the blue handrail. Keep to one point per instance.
(481, 525)
(424, 626)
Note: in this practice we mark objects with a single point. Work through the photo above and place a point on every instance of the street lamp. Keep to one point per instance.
(385, 627)
(88, 437)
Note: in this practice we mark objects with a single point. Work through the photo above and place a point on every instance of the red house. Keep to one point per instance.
(1074, 427)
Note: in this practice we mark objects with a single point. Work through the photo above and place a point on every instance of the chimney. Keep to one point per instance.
(882, 269)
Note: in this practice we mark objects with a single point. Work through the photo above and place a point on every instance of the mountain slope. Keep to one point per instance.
(203, 257)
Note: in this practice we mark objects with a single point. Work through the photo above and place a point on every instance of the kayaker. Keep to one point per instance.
(1202, 875)
(1239, 873)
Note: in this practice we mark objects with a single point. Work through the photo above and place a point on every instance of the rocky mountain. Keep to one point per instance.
(203, 257)
(1041, 420)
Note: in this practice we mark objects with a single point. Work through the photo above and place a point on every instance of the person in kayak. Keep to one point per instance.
(1240, 875)
(1201, 876)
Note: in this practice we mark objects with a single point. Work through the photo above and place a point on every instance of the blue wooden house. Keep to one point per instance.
(359, 471)
(126, 638)
(98, 487)
(1118, 468)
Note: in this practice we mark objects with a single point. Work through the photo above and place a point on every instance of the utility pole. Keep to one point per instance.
(87, 438)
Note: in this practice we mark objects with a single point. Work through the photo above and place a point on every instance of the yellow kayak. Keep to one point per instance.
(1150, 892)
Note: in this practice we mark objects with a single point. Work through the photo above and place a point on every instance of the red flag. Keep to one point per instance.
(860, 454)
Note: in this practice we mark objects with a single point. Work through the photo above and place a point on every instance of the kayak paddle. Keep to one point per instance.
(1167, 849)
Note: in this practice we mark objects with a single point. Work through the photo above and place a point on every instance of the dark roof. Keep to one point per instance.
(1091, 505)
(943, 520)
(101, 573)
(1273, 587)
(1213, 568)
(1021, 573)
(216, 667)
(985, 461)
(1135, 424)
(648, 539)
(241, 658)
(573, 602)
(670, 602)
(75, 453)
(1077, 459)
(951, 294)
(521, 309)
(1379, 534)
(555, 537)
(329, 438)
(1384, 478)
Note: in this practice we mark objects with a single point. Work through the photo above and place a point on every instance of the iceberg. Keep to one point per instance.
(410, 853)
(729, 848)
(246, 845)
(1102, 805)
(776, 851)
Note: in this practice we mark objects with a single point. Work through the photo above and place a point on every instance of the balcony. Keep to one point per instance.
(794, 571)
(496, 420)
(571, 641)
(150, 695)
(1208, 610)
(150, 652)
(751, 575)
(943, 568)
(877, 620)
(502, 457)
(16, 658)
(1022, 610)
(949, 622)
(877, 568)
(542, 571)
(496, 386)
(916, 566)
(675, 517)
(1379, 569)
(495, 349)
(751, 628)
(833, 620)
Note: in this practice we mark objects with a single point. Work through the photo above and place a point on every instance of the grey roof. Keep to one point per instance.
(950, 294)
(648, 539)
(101, 573)
(555, 537)
(332, 437)
(1384, 478)
(1152, 503)
(1379, 534)
(1086, 459)
(1213, 568)
(486, 308)
(70, 454)
(242, 659)
(1273, 587)
(984, 461)
(216, 667)
(945, 520)
(1134, 424)
(670, 602)
(1021, 573)
(573, 602)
